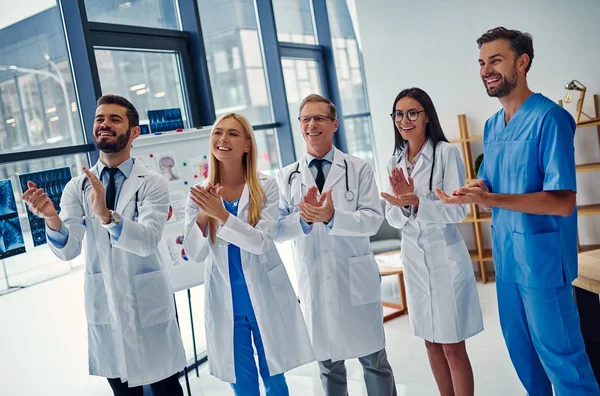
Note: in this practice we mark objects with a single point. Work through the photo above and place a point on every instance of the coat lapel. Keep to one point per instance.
(131, 185)
(401, 163)
(337, 170)
(424, 158)
(244, 199)
(307, 178)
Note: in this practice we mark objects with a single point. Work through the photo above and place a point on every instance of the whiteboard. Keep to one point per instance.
(182, 158)
(187, 166)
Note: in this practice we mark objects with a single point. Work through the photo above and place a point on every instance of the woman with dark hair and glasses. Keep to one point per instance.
(441, 289)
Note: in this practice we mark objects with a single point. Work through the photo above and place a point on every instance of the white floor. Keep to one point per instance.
(43, 332)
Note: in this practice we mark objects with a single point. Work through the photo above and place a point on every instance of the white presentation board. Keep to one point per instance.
(182, 157)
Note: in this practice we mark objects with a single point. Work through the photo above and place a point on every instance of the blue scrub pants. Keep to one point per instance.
(244, 329)
(542, 334)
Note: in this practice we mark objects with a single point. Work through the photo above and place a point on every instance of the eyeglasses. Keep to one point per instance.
(319, 119)
(411, 115)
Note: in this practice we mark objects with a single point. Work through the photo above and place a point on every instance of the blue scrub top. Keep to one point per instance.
(533, 152)
(242, 305)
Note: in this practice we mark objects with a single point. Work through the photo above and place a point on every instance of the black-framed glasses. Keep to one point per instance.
(319, 119)
(411, 115)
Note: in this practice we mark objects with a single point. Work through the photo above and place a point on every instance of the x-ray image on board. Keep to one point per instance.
(53, 181)
(11, 236)
(7, 199)
(165, 120)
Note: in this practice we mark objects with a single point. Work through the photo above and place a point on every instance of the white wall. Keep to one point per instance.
(431, 44)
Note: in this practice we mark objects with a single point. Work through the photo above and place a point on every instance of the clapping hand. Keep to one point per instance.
(209, 200)
(400, 184)
(314, 210)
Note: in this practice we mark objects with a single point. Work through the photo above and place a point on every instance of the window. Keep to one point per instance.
(38, 108)
(268, 156)
(294, 21)
(348, 66)
(235, 59)
(301, 77)
(150, 80)
(147, 13)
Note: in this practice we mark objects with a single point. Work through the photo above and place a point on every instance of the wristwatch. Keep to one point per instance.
(115, 220)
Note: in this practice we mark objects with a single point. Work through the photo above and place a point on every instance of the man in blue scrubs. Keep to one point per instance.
(527, 177)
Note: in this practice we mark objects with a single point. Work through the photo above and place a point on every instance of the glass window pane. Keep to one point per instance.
(38, 263)
(38, 108)
(235, 59)
(301, 77)
(359, 138)
(347, 58)
(150, 80)
(294, 21)
(147, 13)
(268, 153)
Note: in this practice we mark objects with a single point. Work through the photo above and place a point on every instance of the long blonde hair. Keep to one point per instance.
(258, 198)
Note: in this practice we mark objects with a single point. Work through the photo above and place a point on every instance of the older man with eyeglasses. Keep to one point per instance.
(329, 204)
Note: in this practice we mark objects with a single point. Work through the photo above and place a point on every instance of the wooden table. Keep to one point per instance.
(587, 289)
(384, 270)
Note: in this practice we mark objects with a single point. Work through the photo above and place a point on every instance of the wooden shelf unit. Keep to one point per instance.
(591, 209)
(482, 254)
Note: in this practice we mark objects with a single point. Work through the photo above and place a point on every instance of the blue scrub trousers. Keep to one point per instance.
(244, 329)
(542, 334)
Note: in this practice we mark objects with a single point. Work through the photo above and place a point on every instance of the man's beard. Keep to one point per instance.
(508, 83)
(116, 146)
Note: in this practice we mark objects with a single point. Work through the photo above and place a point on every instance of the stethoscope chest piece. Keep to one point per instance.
(349, 195)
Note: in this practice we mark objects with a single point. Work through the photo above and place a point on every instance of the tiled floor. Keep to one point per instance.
(43, 332)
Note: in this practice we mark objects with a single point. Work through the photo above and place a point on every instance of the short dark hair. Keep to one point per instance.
(433, 130)
(132, 114)
(520, 43)
(319, 99)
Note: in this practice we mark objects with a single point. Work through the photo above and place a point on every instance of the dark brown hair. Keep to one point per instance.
(520, 43)
(433, 130)
(132, 115)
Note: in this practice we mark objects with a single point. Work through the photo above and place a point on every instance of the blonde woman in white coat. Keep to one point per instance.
(441, 289)
(230, 221)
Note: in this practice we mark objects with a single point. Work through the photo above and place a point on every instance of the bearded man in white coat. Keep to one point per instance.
(329, 205)
(120, 208)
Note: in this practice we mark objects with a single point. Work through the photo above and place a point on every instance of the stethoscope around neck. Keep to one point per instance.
(349, 195)
(430, 195)
(85, 185)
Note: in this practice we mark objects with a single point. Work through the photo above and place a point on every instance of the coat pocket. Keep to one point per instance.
(459, 262)
(154, 298)
(365, 281)
(96, 302)
(282, 287)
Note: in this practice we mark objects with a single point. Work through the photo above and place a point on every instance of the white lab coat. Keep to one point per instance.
(441, 290)
(339, 281)
(275, 305)
(132, 330)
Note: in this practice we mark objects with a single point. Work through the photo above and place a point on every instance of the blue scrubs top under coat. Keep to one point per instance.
(534, 152)
(242, 305)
